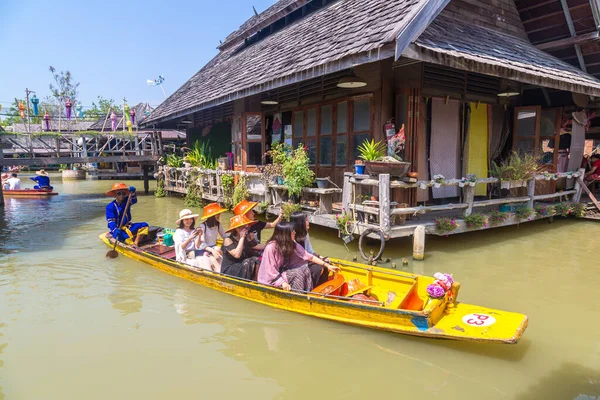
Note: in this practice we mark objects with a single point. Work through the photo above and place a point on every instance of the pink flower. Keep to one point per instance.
(435, 291)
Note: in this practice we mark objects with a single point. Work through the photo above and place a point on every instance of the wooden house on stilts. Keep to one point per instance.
(470, 81)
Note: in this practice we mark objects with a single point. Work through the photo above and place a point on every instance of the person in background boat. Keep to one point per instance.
(5, 184)
(42, 179)
(188, 240)
(238, 256)
(246, 208)
(301, 226)
(115, 211)
(285, 262)
(594, 173)
(14, 183)
(212, 229)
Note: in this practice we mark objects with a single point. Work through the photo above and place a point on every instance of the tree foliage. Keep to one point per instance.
(100, 109)
(64, 86)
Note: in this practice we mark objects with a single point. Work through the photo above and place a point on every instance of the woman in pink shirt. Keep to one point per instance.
(285, 262)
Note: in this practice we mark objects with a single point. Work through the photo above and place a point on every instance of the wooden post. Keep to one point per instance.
(531, 192)
(146, 183)
(384, 203)
(469, 193)
(419, 243)
(578, 184)
(347, 191)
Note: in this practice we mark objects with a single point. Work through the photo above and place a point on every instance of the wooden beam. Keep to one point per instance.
(561, 43)
(573, 32)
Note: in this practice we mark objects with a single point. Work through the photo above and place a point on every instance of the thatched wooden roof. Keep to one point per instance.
(266, 53)
(336, 37)
(459, 44)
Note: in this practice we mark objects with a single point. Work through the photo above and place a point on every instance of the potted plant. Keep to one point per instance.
(273, 172)
(438, 180)
(359, 167)
(516, 170)
(297, 174)
(376, 162)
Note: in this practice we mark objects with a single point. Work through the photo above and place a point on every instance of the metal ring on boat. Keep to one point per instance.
(381, 247)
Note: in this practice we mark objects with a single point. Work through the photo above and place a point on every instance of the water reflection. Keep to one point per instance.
(570, 381)
(126, 294)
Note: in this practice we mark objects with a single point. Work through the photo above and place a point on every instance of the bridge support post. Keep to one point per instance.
(145, 168)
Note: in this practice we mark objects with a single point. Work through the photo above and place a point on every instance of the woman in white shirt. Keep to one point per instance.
(188, 240)
(212, 228)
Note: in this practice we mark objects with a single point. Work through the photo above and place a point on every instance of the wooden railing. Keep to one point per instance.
(353, 184)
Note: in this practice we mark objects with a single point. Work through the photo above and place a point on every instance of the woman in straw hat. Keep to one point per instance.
(211, 225)
(187, 240)
(285, 262)
(42, 179)
(116, 212)
(246, 208)
(238, 258)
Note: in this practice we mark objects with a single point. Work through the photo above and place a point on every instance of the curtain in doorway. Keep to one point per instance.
(476, 146)
(444, 152)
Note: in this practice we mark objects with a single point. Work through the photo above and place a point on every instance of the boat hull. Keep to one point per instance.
(439, 319)
(29, 193)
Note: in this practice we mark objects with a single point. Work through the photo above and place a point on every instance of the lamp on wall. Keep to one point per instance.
(186, 121)
(509, 91)
(351, 82)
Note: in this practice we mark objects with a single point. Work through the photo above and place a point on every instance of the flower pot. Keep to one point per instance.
(504, 208)
(398, 169)
(472, 184)
(437, 185)
(359, 169)
(461, 184)
(322, 183)
(279, 180)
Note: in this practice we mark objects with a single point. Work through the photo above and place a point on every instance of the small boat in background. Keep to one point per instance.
(29, 193)
(361, 295)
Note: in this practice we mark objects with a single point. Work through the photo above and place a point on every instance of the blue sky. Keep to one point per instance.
(111, 47)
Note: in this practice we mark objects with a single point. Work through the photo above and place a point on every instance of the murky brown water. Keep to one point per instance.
(76, 326)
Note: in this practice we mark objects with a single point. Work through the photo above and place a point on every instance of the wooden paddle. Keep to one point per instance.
(113, 253)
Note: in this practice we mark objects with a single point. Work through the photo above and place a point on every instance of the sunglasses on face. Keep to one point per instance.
(121, 193)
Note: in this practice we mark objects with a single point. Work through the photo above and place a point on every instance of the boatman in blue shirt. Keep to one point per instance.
(42, 179)
(129, 232)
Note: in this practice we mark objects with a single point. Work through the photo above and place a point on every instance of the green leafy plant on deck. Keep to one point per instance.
(544, 210)
(524, 212)
(496, 217)
(240, 192)
(193, 197)
(279, 154)
(289, 209)
(475, 221)
(445, 224)
(343, 222)
(173, 161)
(517, 167)
(568, 209)
(296, 171)
(227, 181)
(371, 151)
(160, 187)
(200, 155)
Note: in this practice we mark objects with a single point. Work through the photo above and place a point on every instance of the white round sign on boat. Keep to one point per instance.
(478, 320)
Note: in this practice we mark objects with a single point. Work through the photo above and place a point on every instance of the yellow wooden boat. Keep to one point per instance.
(392, 310)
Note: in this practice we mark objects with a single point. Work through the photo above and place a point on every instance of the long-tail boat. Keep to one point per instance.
(366, 296)
(29, 193)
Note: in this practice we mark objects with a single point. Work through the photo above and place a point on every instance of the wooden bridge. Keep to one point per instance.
(41, 149)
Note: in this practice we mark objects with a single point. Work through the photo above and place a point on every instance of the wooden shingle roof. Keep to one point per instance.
(459, 44)
(336, 37)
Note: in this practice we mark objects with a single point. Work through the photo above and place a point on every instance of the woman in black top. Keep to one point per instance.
(238, 258)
